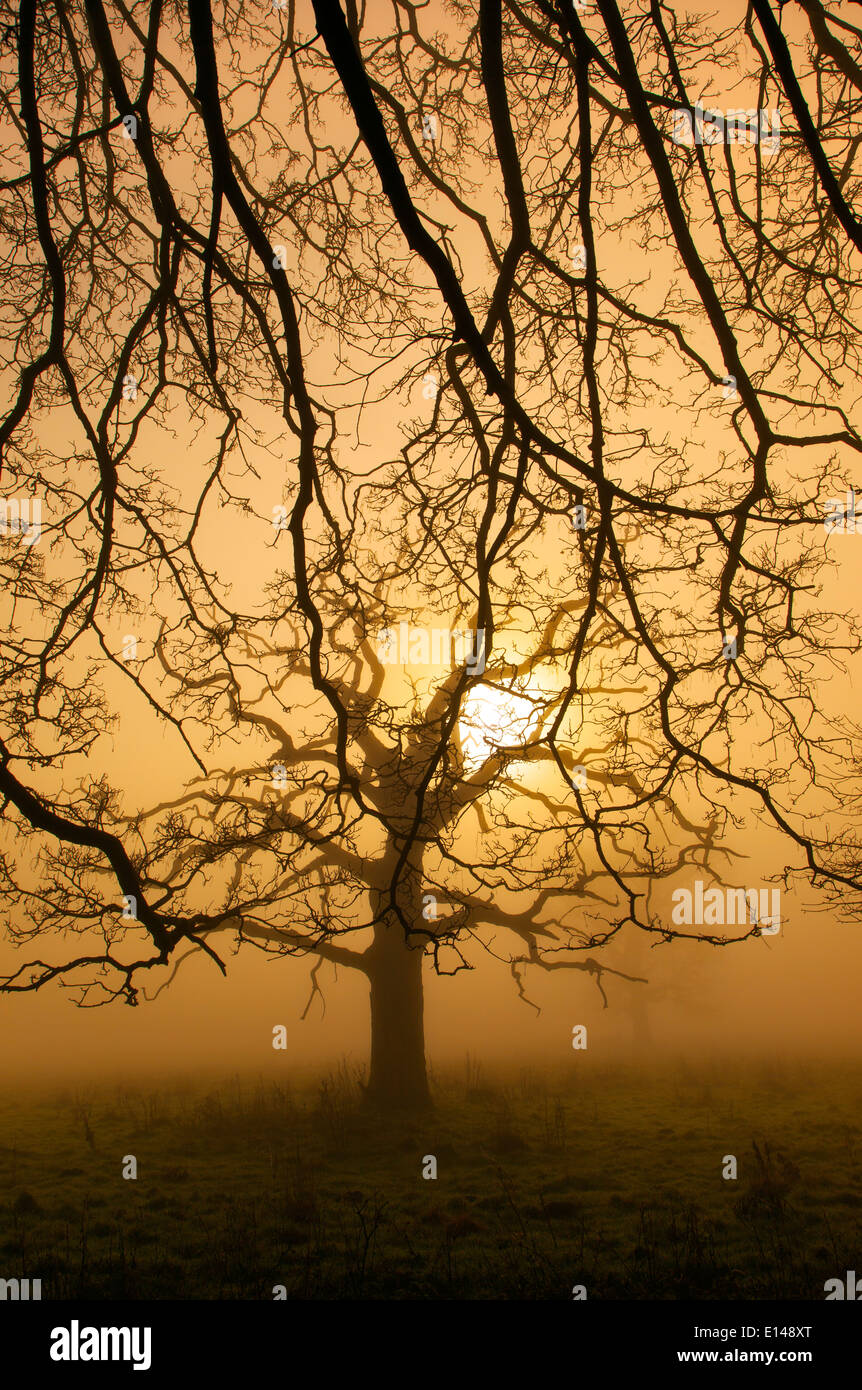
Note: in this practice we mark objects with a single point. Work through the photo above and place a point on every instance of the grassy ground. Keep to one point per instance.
(545, 1181)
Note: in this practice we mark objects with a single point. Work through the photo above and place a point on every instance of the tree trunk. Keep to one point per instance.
(398, 1078)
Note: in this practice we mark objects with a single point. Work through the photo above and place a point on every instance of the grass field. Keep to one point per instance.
(545, 1181)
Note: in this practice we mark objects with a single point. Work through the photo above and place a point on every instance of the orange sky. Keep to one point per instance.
(794, 994)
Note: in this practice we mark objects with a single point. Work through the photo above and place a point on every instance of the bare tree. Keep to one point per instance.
(453, 436)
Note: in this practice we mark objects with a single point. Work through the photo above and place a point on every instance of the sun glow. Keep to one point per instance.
(492, 717)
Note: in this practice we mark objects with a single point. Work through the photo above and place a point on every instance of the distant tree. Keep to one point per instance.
(326, 333)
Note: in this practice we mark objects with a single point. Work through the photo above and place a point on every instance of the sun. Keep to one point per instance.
(491, 717)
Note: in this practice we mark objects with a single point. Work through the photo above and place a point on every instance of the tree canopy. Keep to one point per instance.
(431, 435)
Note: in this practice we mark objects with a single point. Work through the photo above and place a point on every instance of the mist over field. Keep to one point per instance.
(793, 997)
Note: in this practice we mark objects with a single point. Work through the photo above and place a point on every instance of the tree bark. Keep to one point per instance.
(398, 1078)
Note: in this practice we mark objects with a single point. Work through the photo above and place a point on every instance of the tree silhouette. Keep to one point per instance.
(452, 441)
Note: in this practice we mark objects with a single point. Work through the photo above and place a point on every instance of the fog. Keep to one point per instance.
(794, 995)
